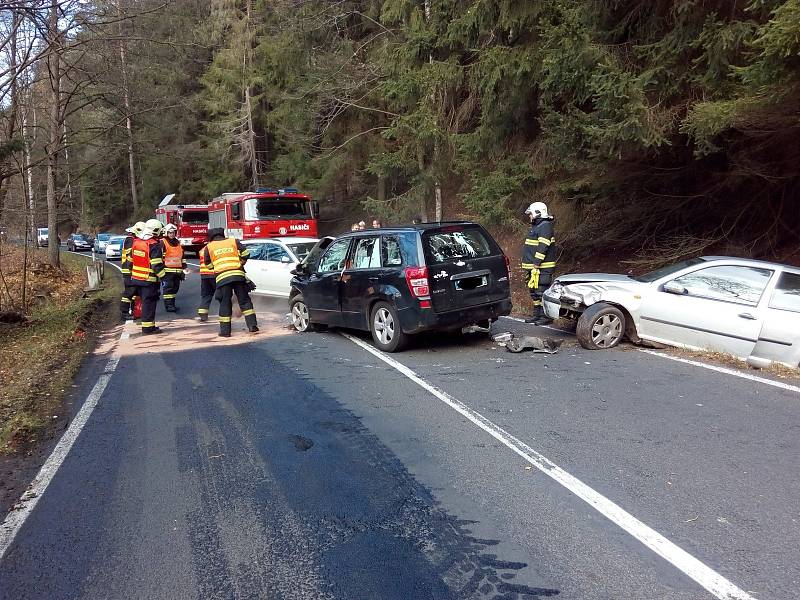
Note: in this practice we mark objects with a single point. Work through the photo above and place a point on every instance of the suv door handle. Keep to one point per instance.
(748, 316)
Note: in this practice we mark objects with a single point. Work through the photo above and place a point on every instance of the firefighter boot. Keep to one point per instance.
(250, 320)
(202, 314)
(169, 305)
(224, 327)
(536, 316)
(125, 310)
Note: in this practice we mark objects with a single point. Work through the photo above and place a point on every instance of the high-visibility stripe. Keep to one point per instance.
(169, 296)
(540, 255)
(124, 299)
(537, 302)
(148, 324)
(249, 311)
(224, 319)
(545, 241)
(245, 252)
(226, 274)
(548, 265)
(528, 266)
(156, 261)
(169, 270)
(202, 311)
(530, 242)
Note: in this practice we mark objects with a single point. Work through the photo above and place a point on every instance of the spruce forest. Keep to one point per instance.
(655, 129)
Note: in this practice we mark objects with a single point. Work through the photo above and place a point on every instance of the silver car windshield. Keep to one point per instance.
(668, 270)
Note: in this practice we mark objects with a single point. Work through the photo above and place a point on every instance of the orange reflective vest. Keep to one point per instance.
(205, 270)
(141, 263)
(226, 260)
(173, 257)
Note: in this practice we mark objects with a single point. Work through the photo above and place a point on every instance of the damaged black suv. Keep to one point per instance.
(396, 282)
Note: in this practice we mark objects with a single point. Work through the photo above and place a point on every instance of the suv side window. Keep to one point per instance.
(367, 253)
(742, 285)
(787, 293)
(334, 257)
(390, 251)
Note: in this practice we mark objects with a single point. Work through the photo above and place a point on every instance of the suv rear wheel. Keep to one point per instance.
(384, 325)
(601, 326)
(300, 316)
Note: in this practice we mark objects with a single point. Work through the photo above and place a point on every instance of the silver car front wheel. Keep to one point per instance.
(600, 327)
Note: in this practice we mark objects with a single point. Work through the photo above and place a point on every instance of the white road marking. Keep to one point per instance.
(193, 264)
(685, 562)
(22, 510)
(726, 371)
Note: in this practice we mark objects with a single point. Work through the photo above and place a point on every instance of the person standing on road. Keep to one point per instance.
(539, 258)
(227, 257)
(174, 266)
(129, 291)
(208, 286)
(147, 269)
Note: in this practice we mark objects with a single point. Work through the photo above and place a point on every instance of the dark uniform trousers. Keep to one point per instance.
(225, 294)
(208, 286)
(149, 294)
(129, 292)
(170, 286)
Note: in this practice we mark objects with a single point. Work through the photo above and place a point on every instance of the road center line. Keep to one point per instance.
(22, 510)
(685, 562)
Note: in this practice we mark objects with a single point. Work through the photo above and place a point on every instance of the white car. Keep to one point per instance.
(747, 308)
(113, 247)
(272, 261)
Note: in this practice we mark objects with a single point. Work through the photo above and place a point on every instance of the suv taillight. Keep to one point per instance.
(417, 280)
(508, 265)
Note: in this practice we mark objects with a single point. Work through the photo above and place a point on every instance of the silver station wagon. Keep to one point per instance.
(747, 308)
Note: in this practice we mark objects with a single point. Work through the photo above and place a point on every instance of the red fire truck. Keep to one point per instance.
(190, 219)
(266, 212)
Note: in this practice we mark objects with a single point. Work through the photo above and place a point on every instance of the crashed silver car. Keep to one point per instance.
(747, 308)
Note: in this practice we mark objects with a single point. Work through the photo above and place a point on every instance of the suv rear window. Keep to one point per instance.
(453, 243)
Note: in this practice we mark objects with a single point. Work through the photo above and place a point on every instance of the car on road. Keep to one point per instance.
(77, 242)
(101, 240)
(397, 282)
(272, 260)
(747, 308)
(113, 247)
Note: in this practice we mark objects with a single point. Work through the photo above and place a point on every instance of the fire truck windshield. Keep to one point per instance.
(281, 208)
(195, 217)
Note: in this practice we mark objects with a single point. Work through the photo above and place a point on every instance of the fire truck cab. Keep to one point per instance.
(190, 219)
(266, 212)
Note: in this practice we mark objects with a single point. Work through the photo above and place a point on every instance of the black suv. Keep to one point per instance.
(396, 282)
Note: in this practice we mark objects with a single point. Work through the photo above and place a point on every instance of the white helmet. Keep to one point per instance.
(538, 209)
(155, 226)
(145, 234)
(170, 228)
(136, 228)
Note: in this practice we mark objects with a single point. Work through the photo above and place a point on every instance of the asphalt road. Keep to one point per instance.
(301, 466)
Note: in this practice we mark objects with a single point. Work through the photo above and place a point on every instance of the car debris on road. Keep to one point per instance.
(516, 344)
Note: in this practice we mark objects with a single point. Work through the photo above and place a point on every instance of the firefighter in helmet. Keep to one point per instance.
(208, 286)
(130, 290)
(147, 269)
(539, 258)
(227, 257)
(174, 266)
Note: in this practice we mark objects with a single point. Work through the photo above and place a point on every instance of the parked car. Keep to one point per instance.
(101, 240)
(42, 238)
(78, 242)
(113, 247)
(747, 308)
(396, 282)
(272, 260)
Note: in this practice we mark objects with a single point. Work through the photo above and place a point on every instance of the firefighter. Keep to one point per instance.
(147, 269)
(129, 291)
(208, 286)
(539, 258)
(174, 266)
(227, 256)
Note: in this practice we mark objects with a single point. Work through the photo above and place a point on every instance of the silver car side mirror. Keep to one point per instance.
(673, 287)
(286, 259)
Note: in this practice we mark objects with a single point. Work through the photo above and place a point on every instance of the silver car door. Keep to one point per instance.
(277, 270)
(779, 339)
(713, 308)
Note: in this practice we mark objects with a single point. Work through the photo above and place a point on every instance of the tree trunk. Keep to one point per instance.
(12, 115)
(248, 105)
(27, 171)
(126, 97)
(54, 69)
(438, 197)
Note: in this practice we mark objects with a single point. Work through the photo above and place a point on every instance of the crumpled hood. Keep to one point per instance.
(593, 278)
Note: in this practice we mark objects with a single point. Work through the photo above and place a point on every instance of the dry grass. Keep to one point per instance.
(39, 358)
(722, 359)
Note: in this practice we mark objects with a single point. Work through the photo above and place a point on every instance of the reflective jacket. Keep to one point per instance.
(147, 264)
(540, 249)
(173, 256)
(206, 268)
(227, 257)
(125, 257)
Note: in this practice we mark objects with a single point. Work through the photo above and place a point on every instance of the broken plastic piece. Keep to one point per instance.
(475, 329)
(537, 344)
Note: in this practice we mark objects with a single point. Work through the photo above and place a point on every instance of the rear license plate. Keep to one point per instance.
(471, 283)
